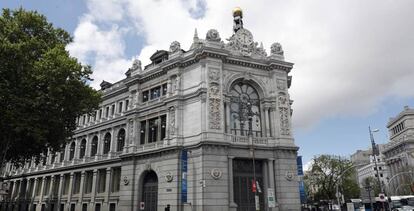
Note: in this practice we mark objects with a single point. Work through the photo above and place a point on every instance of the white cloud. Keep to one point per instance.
(349, 56)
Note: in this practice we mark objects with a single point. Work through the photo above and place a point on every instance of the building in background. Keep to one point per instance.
(399, 152)
(365, 166)
(191, 130)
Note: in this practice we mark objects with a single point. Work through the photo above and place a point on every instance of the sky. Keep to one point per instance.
(353, 59)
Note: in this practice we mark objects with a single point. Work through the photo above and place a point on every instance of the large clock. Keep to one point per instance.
(244, 37)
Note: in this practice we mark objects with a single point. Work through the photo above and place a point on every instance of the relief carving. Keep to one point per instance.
(172, 121)
(214, 99)
(281, 84)
(284, 120)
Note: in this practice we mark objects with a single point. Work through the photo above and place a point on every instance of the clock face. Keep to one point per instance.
(244, 37)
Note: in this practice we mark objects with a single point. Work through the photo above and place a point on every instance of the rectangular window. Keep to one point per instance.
(113, 110)
(77, 181)
(142, 131)
(101, 180)
(62, 206)
(84, 119)
(39, 186)
(66, 182)
(153, 130)
(163, 126)
(380, 168)
(126, 105)
(72, 207)
(107, 112)
(155, 92)
(100, 114)
(145, 96)
(381, 175)
(120, 107)
(116, 179)
(46, 186)
(56, 185)
(88, 181)
(112, 207)
(31, 186)
(84, 207)
(164, 89)
(97, 207)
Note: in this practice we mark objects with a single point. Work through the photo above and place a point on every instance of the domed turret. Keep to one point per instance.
(237, 12)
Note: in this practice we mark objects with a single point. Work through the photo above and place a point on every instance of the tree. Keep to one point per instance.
(326, 172)
(373, 184)
(42, 88)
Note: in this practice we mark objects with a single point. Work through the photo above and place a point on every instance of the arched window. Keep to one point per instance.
(107, 143)
(72, 151)
(244, 110)
(121, 140)
(82, 148)
(94, 146)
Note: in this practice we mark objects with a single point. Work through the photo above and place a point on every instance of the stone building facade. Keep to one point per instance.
(191, 131)
(399, 151)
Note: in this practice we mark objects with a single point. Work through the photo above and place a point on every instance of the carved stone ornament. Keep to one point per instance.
(213, 35)
(216, 173)
(175, 47)
(284, 120)
(289, 175)
(125, 180)
(172, 121)
(276, 49)
(242, 43)
(214, 113)
(214, 99)
(214, 75)
(136, 65)
(131, 129)
(169, 177)
(281, 84)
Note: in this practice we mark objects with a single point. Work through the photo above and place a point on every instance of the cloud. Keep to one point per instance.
(349, 55)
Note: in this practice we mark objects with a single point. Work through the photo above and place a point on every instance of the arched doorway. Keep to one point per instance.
(150, 191)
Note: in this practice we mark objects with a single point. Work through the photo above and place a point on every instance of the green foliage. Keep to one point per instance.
(325, 173)
(373, 184)
(42, 88)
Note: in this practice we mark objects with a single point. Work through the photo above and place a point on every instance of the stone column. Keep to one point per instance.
(228, 122)
(52, 185)
(82, 184)
(93, 193)
(42, 189)
(107, 185)
(70, 187)
(232, 205)
(265, 185)
(268, 125)
(272, 179)
(60, 190)
(36, 181)
(88, 147)
(112, 148)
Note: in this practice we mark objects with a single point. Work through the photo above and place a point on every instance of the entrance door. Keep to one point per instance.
(242, 184)
(150, 191)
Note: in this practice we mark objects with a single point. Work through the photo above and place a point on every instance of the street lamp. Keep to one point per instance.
(375, 152)
(250, 135)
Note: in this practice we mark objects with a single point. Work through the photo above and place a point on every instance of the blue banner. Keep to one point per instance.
(301, 183)
(300, 166)
(184, 169)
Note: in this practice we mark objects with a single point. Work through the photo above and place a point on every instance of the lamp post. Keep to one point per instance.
(375, 151)
(250, 135)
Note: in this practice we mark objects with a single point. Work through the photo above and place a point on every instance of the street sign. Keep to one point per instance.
(257, 202)
(271, 197)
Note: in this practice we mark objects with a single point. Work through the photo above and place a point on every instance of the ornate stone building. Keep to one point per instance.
(399, 152)
(192, 131)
